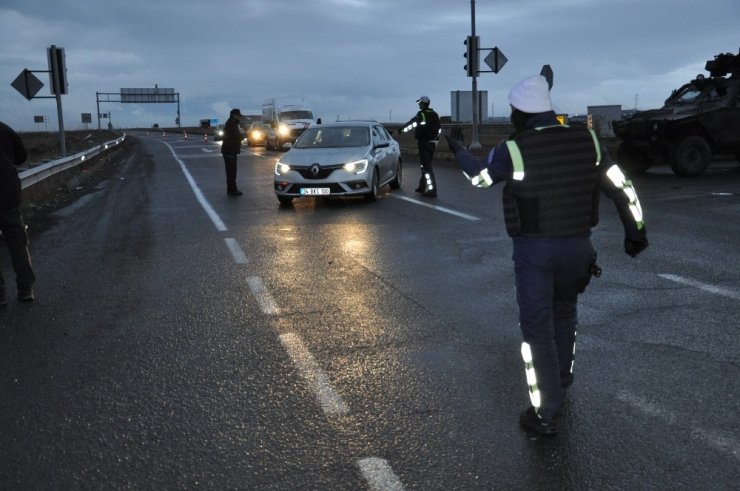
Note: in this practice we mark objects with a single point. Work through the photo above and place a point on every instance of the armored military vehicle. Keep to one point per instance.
(699, 120)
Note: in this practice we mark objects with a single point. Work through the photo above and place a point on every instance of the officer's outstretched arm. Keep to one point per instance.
(622, 192)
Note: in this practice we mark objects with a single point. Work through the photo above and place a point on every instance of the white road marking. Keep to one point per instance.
(379, 475)
(714, 439)
(220, 225)
(317, 380)
(717, 290)
(435, 207)
(262, 295)
(236, 251)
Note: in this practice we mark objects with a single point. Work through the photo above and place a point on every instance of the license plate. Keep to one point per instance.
(314, 191)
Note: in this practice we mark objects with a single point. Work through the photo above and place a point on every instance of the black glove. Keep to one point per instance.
(455, 139)
(634, 247)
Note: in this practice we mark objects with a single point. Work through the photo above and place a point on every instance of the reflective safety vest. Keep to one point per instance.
(425, 124)
(553, 191)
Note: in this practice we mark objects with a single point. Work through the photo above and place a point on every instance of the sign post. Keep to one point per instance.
(28, 85)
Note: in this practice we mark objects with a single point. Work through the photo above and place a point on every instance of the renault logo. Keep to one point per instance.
(315, 169)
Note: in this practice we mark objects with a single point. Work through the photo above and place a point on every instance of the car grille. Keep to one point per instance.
(324, 172)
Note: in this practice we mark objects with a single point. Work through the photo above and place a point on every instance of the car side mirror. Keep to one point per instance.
(382, 145)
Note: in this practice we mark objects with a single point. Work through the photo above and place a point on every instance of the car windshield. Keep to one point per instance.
(288, 115)
(334, 137)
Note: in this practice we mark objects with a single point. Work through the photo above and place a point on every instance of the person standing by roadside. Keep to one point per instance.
(13, 154)
(554, 175)
(231, 146)
(426, 128)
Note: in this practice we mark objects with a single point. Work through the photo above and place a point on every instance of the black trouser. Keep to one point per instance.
(427, 182)
(14, 235)
(230, 164)
(549, 274)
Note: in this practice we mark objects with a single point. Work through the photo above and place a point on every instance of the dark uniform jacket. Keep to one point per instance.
(12, 154)
(554, 175)
(425, 125)
(232, 142)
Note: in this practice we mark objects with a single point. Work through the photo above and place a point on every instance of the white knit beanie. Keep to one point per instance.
(531, 95)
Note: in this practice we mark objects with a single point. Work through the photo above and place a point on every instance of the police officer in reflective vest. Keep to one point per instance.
(426, 131)
(554, 175)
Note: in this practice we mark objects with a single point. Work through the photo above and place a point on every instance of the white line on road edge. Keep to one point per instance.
(236, 251)
(435, 207)
(379, 475)
(725, 292)
(318, 381)
(717, 440)
(263, 296)
(220, 226)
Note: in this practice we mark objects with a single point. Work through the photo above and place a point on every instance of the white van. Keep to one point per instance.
(287, 119)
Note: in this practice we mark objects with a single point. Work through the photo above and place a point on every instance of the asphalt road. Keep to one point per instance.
(185, 339)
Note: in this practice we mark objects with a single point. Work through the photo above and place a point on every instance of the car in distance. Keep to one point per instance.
(218, 133)
(256, 133)
(345, 158)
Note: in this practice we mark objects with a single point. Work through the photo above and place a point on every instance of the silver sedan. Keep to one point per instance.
(345, 158)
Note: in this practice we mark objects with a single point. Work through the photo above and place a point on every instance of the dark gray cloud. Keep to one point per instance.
(352, 58)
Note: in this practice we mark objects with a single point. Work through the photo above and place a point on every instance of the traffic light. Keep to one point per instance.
(471, 55)
(57, 69)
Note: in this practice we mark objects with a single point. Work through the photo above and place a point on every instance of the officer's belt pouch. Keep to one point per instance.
(593, 270)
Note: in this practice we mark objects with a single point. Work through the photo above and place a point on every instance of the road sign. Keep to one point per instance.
(496, 60)
(27, 84)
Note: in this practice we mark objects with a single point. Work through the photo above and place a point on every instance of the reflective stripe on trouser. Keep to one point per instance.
(427, 181)
(546, 271)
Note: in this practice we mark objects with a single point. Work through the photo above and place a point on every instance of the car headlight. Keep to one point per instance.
(356, 167)
(281, 169)
(283, 130)
(257, 134)
(220, 132)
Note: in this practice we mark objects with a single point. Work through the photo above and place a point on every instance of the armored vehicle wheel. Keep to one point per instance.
(632, 160)
(691, 156)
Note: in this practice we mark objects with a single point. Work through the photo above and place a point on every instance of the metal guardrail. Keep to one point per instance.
(37, 174)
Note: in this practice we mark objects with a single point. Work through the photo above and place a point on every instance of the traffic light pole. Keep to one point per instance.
(475, 144)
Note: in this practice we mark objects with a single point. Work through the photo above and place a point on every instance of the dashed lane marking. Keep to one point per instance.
(317, 380)
(379, 475)
(435, 207)
(714, 439)
(717, 290)
(267, 304)
(236, 252)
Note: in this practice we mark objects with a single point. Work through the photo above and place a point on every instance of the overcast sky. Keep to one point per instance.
(350, 58)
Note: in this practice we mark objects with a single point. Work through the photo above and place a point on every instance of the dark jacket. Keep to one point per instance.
(12, 154)
(609, 179)
(425, 125)
(232, 143)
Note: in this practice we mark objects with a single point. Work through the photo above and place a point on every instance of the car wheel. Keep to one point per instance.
(396, 182)
(631, 160)
(285, 200)
(691, 156)
(373, 194)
